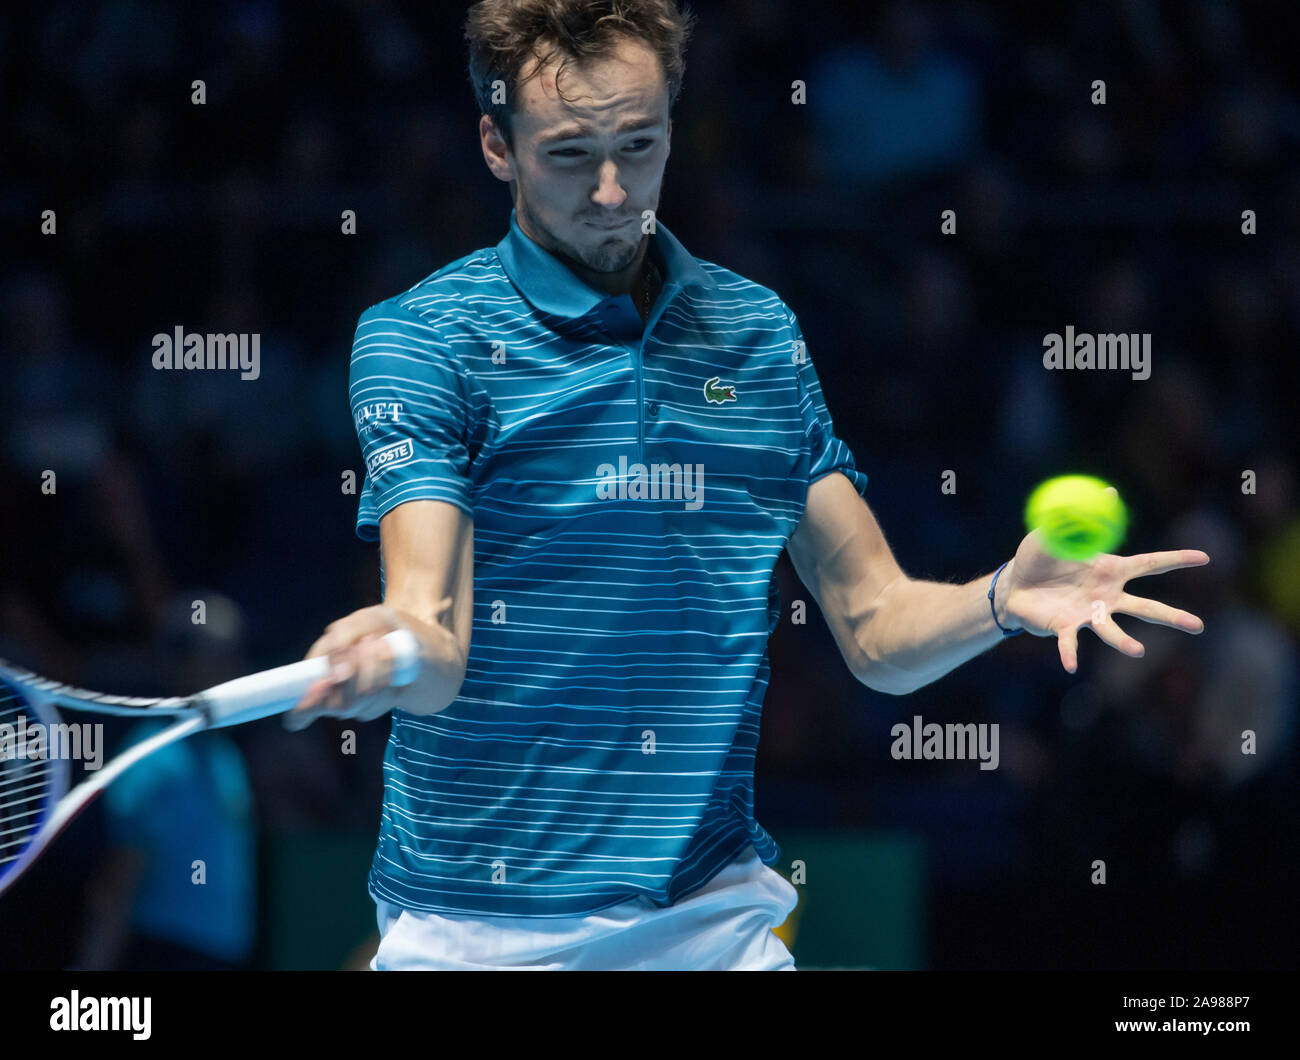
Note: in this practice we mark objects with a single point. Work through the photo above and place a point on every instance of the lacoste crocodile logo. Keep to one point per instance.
(715, 392)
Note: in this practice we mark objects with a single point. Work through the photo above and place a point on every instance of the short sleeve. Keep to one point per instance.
(410, 407)
(828, 453)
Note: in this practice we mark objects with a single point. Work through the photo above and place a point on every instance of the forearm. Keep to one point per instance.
(921, 630)
(428, 556)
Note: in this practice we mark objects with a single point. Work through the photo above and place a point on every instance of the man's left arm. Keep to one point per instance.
(898, 634)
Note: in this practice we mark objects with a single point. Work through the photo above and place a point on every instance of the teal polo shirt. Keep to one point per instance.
(632, 486)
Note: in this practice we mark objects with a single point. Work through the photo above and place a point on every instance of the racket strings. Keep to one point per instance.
(26, 780)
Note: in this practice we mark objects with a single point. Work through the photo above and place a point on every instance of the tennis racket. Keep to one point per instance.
(35, 803)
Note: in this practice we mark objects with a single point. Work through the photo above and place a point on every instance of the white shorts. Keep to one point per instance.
(726, 925)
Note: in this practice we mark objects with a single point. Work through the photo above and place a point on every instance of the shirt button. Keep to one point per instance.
(652, 408)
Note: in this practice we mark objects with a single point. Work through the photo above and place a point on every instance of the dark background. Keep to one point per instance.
(1126, 217)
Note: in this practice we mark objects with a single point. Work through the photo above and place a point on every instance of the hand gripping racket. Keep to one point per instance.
(35, 803)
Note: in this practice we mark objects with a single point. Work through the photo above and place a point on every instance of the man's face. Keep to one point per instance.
(585, 169)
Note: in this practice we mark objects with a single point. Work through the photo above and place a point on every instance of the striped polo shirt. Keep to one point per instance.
(632, 486)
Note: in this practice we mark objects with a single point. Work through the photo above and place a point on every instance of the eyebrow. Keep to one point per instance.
(578, 132)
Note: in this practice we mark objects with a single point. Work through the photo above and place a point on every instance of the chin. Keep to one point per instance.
(613, 259)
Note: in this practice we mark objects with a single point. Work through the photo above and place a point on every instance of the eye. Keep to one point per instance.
(567, 152)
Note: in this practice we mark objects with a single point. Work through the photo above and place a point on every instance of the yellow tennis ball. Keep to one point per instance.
(1077, 517)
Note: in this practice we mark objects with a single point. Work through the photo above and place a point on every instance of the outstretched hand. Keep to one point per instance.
(1049, 597)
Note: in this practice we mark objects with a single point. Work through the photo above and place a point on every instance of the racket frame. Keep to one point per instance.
(236, 702)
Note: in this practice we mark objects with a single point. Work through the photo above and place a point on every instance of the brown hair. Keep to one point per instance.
(504, 34)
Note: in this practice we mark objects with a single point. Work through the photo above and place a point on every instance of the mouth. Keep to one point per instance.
(610, 228)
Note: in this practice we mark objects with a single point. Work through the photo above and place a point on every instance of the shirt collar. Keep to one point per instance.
(551, 286)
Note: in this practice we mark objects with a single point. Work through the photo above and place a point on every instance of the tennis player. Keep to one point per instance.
(585, 450)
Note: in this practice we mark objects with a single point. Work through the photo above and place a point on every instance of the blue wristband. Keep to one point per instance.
(1005, 632)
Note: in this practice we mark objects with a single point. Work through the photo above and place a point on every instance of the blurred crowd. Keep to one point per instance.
(1123, 217)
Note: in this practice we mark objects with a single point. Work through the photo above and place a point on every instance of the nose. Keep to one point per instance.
(609, 193)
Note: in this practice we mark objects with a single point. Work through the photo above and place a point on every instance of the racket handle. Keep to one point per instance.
(275, 691)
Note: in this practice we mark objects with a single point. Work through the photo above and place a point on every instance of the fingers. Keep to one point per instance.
(312, 705)
(1109, 631)
(318, 693)
(1160, 614)
(374, 664)
(1147, 610)
(1067, 644)
(351, 628)
(1161, 562)
(358, 670)
(328, 696)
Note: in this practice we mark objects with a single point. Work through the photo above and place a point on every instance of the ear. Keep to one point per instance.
(496, 153)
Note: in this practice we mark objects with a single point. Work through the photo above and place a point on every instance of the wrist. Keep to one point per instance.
(999, 591)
